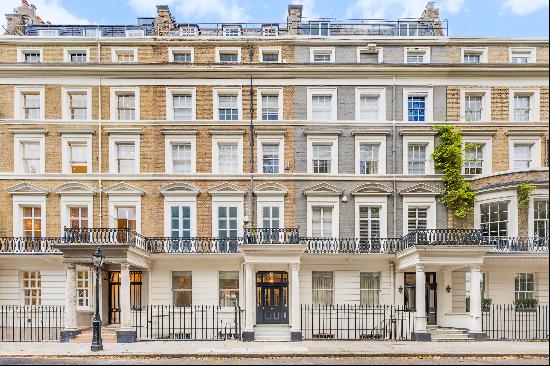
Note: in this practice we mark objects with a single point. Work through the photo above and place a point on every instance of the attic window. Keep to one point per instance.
(135, 33)
(232, 31)
(270, 30)
(48, 33)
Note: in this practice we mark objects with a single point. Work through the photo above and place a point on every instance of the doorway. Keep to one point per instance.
(272, 298)
(430, 298)
(114, 294)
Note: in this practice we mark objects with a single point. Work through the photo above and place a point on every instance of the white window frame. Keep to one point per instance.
(532, 53)
(269, 91)
(89, 288)
(38, 288)
(509, 196)
(534, 141)
(68, 138)
(231, 91)
(324, 201)
(314, 50)
(115, 139)
(19, 103)
(216, 140)
(173, 50)
(323, 91)
(427, 54)
(270, 140)
(19, 138)
(180, 199)
(20, 200)
(128, 34)
(412, 201)
(115, 50)
(271, 200)
(221, 199)
(379, 50)
(68, 50)
(21, 51)
(124, 199)
(534, 103)
(43, 32)
(487, 150)
(417, 140)
(380, 92)
(379, 140)
(537, 194)
(482, 51)
(325, 140)
(429, 103)
(271, 50)
(114, 102)
(69, 200)
(170, 140)
(171, 92)
(380, 201)
(220, 50)
(66, 102)
(485, 103)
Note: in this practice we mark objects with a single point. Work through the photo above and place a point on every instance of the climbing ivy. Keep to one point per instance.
(459, 195)
(524, 190)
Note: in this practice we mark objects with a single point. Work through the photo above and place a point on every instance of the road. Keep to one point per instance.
(276, 361)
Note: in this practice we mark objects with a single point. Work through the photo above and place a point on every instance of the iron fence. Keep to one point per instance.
(199, 322)
(23, 245)
(356, 322)
(31, 323)
(510, 322)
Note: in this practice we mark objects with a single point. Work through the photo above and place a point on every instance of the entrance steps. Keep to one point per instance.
(272, 333)
(108, 335)
(449, 335)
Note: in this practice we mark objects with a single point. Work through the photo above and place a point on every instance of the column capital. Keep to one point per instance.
(248, 266)
(70, 266)
(124, 266)
(476, 268)
(419, 267)
(295, 266)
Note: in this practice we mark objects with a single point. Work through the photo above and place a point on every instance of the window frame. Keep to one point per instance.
(170, 140)
(486, 142)
(114, 54)
(177, 200)
(40, 32)
(414, 201)
(66, 140)
(216, 140)
(381, 93)
(128, 35)
(379, 140)
(426, 58)
(379, 51)
(114, 93)
(33, 137)
(66, 102)
(172, 290)
(67, 51)
(114, 140)
(227, 91)
(68, 200)
(428, 112)
(270, 139)
(270, 200)
(231, 290)
(533, 141)
(324, 201)
(22, 51)
(88, 289)
(525, 275)
(25, 288)
(377, 291)
(536, 197)
(333, 92)
(317, 50)
(482, 51)
(532, 54)
(173, 50)
(330, 290)
(324, 140)
(375, 200)
(19, 102)
(419, 140)
(259, 102)
(27, 200)
(171, 92)
(534, 103)
(226, 200)
(485, 93)
(220, 50)
(270, 50)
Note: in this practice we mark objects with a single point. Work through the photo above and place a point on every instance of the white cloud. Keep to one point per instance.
(522, 7)
(183, 10)
(390, 9)
(48, 10)
(308, 10)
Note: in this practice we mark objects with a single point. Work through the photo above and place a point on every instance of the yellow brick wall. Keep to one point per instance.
(6, 101)
(544, 104)
(500, 104)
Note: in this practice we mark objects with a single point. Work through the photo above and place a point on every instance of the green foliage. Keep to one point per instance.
(459, 195)
(524, 190)
(526, 303)
(486, 303)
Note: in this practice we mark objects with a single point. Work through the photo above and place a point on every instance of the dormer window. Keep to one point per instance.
(135, 33)
(408, 28)
(92, 33)
(270, 30)
(189, 31)
(48, 33)
(319, 28)
(232, 31)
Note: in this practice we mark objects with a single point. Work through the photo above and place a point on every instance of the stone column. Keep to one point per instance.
(126, 334)
(71, 324)
(250, 284)
(296, 330)
(420, 331)
(475, 305)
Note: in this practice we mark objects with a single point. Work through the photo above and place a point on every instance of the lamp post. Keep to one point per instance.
(97, 345)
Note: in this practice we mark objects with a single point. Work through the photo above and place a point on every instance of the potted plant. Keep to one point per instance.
(486, 304)
(526, 304)
(251, 235)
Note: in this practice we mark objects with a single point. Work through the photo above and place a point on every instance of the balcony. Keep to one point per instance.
(277, 237)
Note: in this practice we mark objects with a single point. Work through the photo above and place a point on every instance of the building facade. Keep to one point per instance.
(272, 167)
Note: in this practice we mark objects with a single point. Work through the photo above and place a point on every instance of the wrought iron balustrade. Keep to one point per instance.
(518, 244)
(443, 237)
(351, 245)
(271, 236)
(104, 236)
(192, 245)
(25, 245)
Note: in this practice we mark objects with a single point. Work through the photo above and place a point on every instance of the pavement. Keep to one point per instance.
(233, 348)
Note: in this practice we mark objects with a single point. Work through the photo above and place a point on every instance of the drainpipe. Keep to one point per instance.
(393, 158)
(100, 139)
(251, 188)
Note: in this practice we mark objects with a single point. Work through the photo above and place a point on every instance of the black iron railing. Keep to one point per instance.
(351, 245)
(356, 322)
(104, 236)
(31, 323)
(25, 245)
(271, 236)
(510, 322)
(192, 245)
(200, 322)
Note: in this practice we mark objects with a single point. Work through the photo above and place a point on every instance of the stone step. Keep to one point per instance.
(85, 336)
(272, 334)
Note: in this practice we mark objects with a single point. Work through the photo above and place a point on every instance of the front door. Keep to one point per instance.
(114, 294)
(431, 295)
(272, 298)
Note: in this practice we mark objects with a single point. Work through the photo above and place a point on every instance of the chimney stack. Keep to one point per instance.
(431, 14)
(294, 18)
(22, 15)
(164, 22)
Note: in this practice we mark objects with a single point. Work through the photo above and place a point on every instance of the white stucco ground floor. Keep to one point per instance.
(282, 289)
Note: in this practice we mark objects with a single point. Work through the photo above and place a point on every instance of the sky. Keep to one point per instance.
(498, 18)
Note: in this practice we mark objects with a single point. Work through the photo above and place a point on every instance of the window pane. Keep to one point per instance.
(270, 158)
(323, 288)
(416, 108)
(182, 288)
(229, 288)
(369, 288)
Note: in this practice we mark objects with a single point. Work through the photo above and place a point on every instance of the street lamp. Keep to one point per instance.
(97, 259)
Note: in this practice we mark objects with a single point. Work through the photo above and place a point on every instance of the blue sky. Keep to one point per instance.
(516, 18)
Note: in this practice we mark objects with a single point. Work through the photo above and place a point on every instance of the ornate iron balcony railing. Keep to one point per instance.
(271, 236)
(23, 245)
